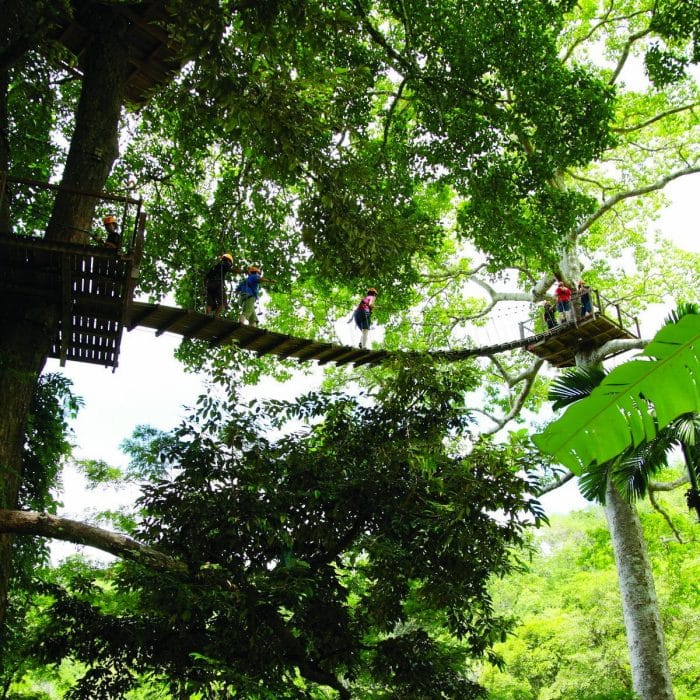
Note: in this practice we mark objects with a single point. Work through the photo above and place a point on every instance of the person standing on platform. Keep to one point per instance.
(563, 295)
(550, 317)
(363, 314)
(214, 283)
(248, 291)
(584, 292)
(113, 238)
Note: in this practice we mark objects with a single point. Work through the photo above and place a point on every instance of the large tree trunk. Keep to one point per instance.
(4, 149)
(27, 326)
(94, 145)
(651, 678)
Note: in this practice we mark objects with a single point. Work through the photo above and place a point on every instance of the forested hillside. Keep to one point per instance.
(569, 639)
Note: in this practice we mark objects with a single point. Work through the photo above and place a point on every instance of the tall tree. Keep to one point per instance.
(299, 100)
(624, 476)
(353, 553)
(346, 143)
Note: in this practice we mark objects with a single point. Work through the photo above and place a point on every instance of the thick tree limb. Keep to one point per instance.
(668, 485)
(609, 203)
(626, 52)
(613, 347)
(563, 479)
(20, 522)
(501, 296)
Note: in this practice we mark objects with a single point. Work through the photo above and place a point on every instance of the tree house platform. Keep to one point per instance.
(560, 344)
(154, 58)
(91, 285)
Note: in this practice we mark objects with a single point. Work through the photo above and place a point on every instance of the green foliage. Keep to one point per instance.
(47, 441)
(354, 545)
(570, 643)
(618, 414)
(674, 21)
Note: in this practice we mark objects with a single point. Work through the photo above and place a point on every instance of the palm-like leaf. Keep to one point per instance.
(682, 310)
(574, 384)
(633, 402)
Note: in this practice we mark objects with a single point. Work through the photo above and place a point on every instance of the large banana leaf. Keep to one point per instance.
(633, 402)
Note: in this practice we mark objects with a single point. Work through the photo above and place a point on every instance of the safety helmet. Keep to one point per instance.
(253, 268)
(372, 290)
(109, 219)
(227, 256)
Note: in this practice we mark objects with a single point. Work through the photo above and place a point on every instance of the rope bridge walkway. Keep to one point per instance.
(91, 288)
(553, 343)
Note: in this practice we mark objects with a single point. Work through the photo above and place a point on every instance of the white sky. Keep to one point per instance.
(150, 387)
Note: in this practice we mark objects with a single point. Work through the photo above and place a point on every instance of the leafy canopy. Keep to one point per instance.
(358, 544)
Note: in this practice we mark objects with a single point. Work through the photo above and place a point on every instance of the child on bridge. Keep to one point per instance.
(363, 314)
(248, 291)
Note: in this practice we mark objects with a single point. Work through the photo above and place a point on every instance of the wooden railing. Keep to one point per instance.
(26, 205)
(612, 310)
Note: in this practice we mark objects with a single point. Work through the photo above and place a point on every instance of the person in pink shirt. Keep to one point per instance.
(363, 313)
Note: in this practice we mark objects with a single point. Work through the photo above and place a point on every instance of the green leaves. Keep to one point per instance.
(618, 414)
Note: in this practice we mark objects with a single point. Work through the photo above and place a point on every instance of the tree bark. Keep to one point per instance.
(28, 326)
(94, 144)
(45, 525)
(651, 678)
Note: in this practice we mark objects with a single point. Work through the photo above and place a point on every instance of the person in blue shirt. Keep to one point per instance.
(248, 293)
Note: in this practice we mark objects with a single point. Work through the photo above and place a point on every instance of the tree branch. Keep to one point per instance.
(626, 52)
(665, 515)
(655, 118)
(564, 478)
(404, 63)
(614, 347)
(667, 485)
(20, 522)
(608, 204)
(528, 379)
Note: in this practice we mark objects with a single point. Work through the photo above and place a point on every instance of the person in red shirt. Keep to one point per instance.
(563, 295)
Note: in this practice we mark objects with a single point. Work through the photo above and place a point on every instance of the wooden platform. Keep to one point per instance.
(560, 347)
(91, 286)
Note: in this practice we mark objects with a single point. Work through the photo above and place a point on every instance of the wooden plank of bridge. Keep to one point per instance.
(217, 331)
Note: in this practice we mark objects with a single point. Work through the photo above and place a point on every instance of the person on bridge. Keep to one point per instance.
(363, 314)
(214, 284)
(248, 290)
(113, 237)
(563, 295)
